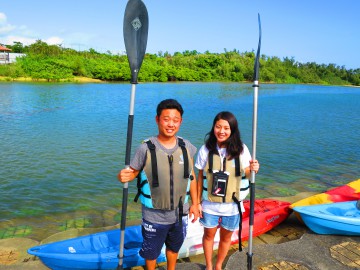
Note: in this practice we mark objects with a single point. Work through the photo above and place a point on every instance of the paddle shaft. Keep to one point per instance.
(135, 28)
(127, 165)
(254, 137)
(252, 178)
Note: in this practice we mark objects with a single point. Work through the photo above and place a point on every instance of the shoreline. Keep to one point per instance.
(290, 245)
(30, 80)
(13, 251)
(90, 80)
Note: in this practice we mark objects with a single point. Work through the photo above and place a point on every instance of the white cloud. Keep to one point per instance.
(2, 18)
(24, 40)
(54, 41)
(10, 33)
(6, 29)
(21, 33)
(4, 26)
(28, 41)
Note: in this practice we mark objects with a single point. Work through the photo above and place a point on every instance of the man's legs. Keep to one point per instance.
(171, 258)
(150, 264)
(174, 241)
(154, 236)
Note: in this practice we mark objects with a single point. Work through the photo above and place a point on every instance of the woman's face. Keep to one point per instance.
(222, 131)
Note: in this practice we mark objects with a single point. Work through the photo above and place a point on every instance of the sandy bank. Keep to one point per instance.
(72, 80)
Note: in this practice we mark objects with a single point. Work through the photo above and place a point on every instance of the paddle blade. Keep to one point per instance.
(135, 28)
(257, 60)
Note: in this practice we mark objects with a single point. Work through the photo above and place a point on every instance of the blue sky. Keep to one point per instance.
(320, 31)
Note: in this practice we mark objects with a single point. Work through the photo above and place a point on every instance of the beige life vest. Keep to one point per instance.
(164, 182)
(237, 184)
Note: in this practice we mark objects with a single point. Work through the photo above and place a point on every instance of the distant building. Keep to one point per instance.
(4, 55)
(7, 57)
(13, 56)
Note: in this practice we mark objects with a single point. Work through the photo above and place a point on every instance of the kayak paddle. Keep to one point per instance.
(252, 178)
(135, 30)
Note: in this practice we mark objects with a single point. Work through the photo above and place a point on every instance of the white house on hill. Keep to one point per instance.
(7, 57)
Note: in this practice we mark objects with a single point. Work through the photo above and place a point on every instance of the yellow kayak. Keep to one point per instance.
(348, 192)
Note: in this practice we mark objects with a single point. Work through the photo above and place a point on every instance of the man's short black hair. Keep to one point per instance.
(169, 104)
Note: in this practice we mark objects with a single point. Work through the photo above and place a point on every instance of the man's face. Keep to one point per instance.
(169, 122)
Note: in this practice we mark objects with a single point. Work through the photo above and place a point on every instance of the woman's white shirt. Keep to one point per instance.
(224, 209)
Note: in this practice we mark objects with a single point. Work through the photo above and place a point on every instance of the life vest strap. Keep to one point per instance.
(244, 189)
(211, 161)
(185, 156)
(240, 223)
(237, 164)
(139, 186)
(181, 210)
(154, 170)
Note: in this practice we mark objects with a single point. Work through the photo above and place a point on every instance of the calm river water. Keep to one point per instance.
(62, 145)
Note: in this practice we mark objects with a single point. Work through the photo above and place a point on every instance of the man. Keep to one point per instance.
(164, 167)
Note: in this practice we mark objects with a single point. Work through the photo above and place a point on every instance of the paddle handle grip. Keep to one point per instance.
(254, 131)
(129, 139)
(130, 125)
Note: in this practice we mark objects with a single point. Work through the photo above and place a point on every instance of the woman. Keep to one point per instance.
(223, 162)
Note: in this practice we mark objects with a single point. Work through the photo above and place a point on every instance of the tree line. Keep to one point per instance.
(55, 63)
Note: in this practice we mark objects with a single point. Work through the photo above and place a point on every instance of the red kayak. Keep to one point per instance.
(267, 215)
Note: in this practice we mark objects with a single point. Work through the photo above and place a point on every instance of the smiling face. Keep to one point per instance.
(168, 122)
(222, 131)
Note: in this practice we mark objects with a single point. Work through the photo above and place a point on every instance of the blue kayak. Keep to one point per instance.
(340, 218)
(100, 250)
(95, 251)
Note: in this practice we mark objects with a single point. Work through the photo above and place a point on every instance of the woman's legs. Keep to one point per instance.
(224, 245)
(208, 245)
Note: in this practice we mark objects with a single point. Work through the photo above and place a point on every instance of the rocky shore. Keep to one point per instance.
(288, 246)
